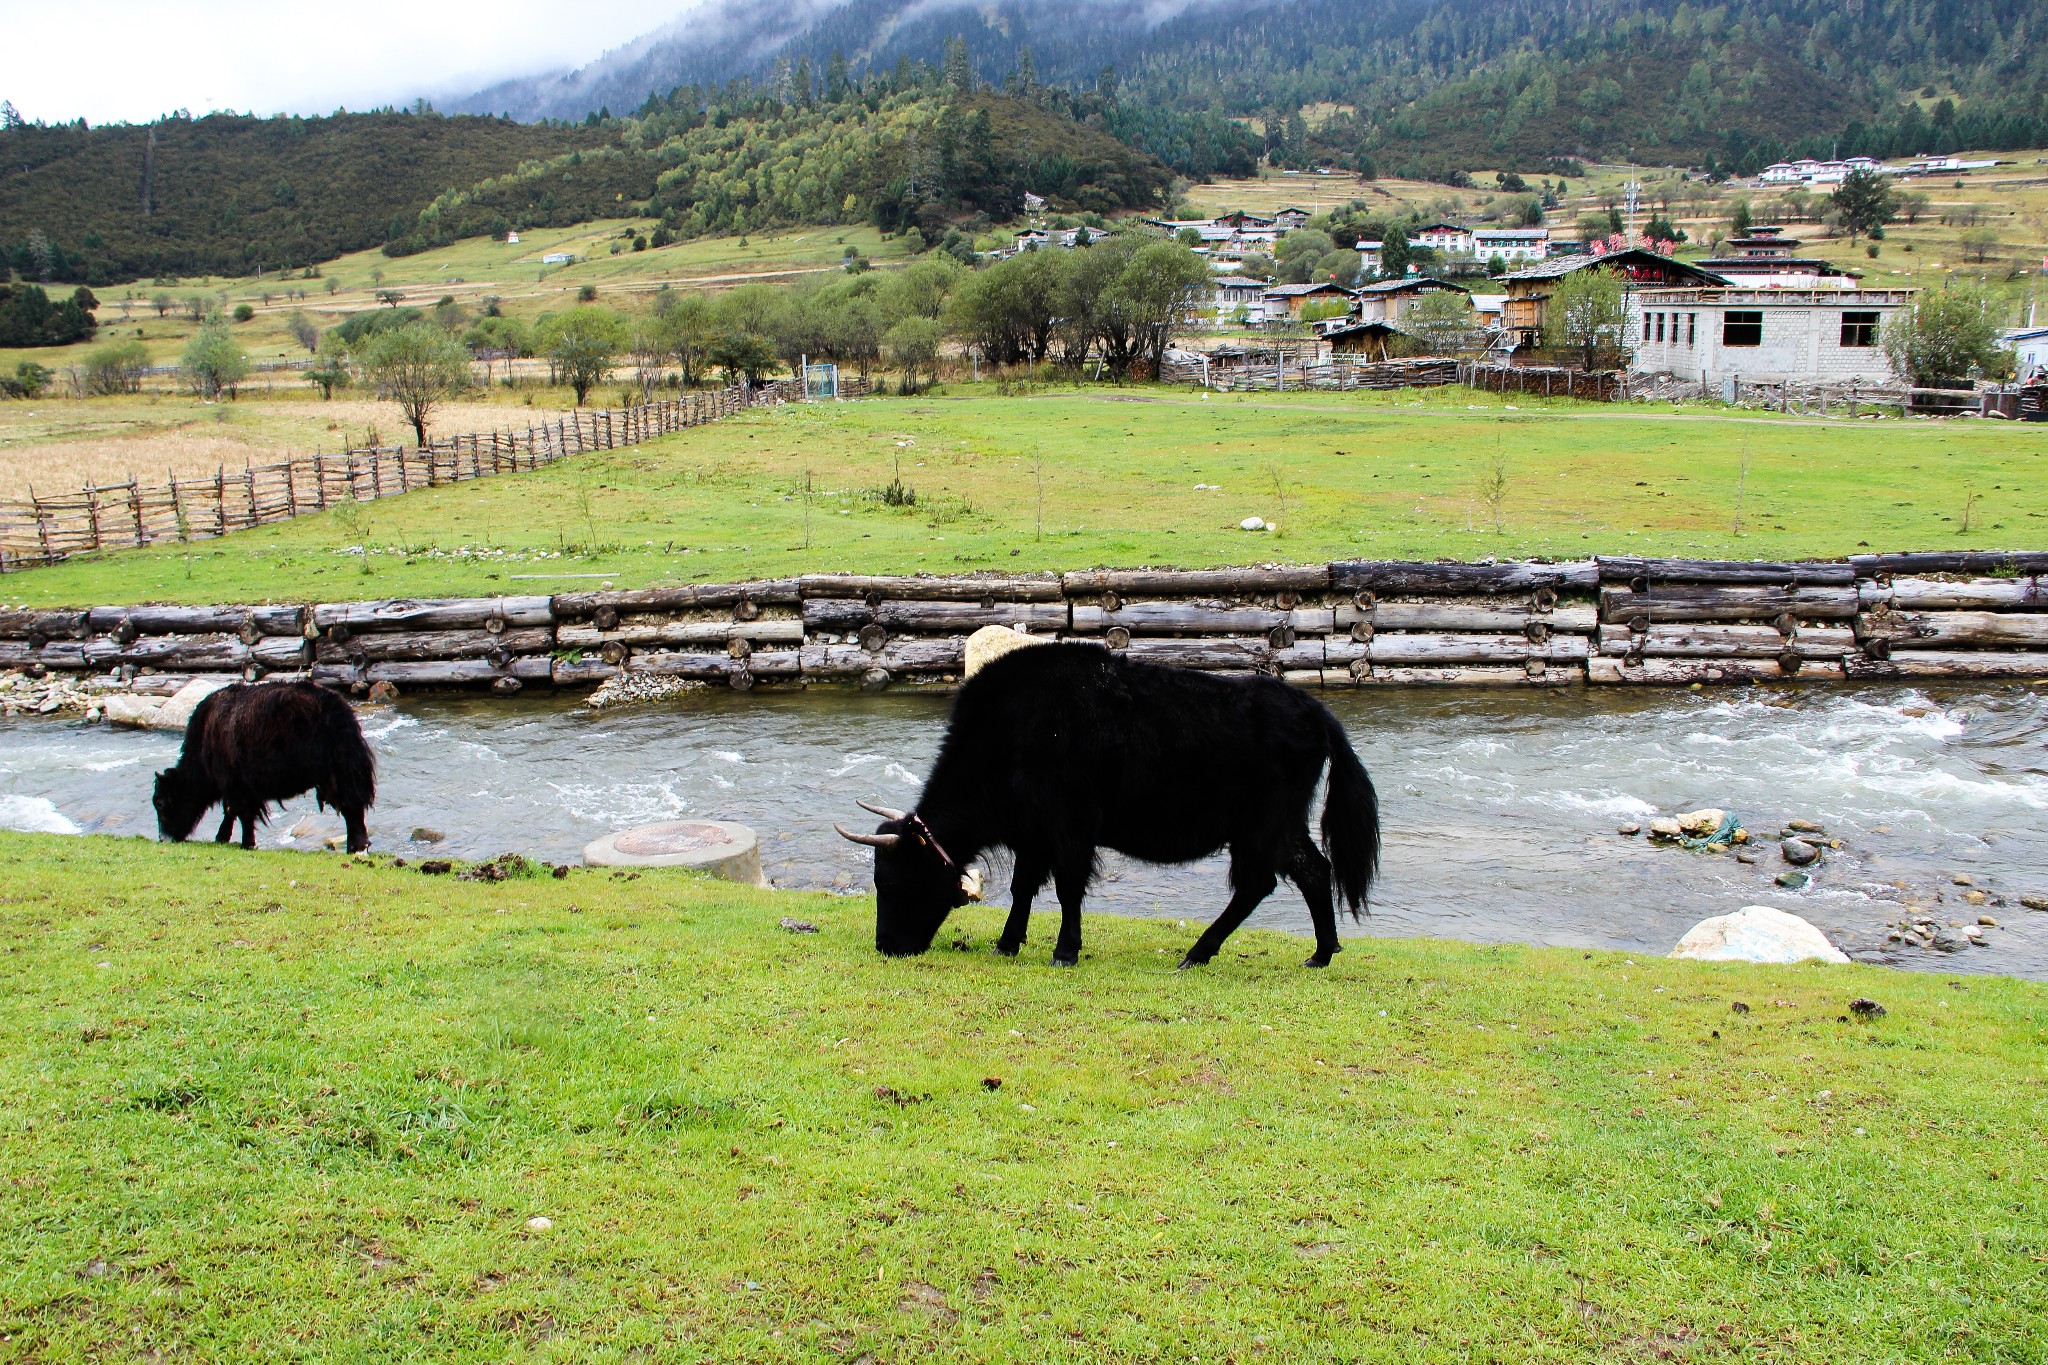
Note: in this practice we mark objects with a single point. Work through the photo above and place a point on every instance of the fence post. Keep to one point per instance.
(135, 504)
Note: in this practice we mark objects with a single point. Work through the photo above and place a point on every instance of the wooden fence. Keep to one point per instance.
(1228, 375)
(39, 529)
(1599, 386)
(1345, 624)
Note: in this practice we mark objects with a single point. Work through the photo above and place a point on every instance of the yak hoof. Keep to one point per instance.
(1008, 949)
(1072, 959)
(1317, 960)
(1191, 961)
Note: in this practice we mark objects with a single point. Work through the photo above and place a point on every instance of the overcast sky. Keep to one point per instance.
(114, 60)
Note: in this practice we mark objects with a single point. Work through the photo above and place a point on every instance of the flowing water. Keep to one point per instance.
(1501, 808)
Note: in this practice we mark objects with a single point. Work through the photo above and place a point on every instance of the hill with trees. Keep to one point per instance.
(229, 194)
(1421, 85)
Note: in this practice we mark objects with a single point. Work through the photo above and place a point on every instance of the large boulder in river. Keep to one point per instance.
(1756, 933)
(990, 643)
(136, 713)
(176, 713)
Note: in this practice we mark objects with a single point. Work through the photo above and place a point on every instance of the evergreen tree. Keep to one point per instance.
(958, 71)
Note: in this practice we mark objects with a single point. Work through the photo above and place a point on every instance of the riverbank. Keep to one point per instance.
(335, 1093)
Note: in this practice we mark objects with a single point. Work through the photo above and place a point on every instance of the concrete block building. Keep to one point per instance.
(1766, 335)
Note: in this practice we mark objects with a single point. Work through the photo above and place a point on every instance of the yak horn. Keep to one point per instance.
(871, 840)
(885, 812)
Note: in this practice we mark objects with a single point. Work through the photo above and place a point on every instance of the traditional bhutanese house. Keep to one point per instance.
(1232, 292)
(1528, 289)
(1766, 258)
(1369, 257)
(1768, 335)
(1362, 341)
(1454, 238)
(1511, 244)
(1238, 218)
(1285, 302)
(1389, 299)
(2029, 347)
(1290, 218)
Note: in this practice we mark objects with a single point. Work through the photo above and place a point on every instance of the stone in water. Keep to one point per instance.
(1756, 933)
(719, 847)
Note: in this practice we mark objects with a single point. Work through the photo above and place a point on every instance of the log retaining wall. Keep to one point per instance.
(1609, 620)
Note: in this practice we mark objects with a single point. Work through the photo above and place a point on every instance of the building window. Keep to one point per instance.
(1859, 329)
(1692, 328)
(1657, 321)
(1742, 327)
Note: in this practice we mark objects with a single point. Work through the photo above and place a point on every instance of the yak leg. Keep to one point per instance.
(359, 834)
(1025, 882)
(227, 823)
(1249, 885)
(1311, 875)
(248, 827)
(1070, 884)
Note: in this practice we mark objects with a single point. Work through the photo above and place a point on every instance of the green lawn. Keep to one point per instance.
(1064, 479)
(284, 1106)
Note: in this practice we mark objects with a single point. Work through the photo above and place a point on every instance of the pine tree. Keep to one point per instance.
(959, 73)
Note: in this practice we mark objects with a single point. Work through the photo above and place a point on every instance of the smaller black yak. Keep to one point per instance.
(1058, 751)
(247, 746)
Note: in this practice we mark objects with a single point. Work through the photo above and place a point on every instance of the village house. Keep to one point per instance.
(1361, 342)
(512, 237)
(558, 258)
(1768, 335)
(1290, 218)
(1034, 203)
(1231, 292)
(1388, 300)
(2029, 346)
(1765, 258)
(1286, 302)
(1511, 244)
(1808, 171)
(1449, 238)
(1528, 289)
(1369, 256)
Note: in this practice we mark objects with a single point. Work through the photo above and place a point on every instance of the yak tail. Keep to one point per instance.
(352, 776)
(1351, 821)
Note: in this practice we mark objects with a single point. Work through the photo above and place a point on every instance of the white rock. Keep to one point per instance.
(1697, 822)
(1756, 933)
(540, 1223)
(990, 643)
(176, 713)
(131, 711)
(1252, 524)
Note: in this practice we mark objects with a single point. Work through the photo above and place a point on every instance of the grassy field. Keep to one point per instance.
(286, 1106)
(1066, 479)
(470, 271)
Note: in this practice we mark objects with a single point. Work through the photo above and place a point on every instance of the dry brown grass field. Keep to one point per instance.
(59, 445)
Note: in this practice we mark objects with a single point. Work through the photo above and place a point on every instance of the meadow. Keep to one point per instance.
(293, 1106)
(1065, 478)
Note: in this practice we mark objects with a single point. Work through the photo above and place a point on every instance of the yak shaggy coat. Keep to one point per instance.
(249, 746)
(1058, 751)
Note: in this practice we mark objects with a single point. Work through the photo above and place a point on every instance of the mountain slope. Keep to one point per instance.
(227, 194)
(1770, 71)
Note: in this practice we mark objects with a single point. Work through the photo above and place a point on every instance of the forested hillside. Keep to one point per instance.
(709, 161)
(1423, 84)
(227, 194)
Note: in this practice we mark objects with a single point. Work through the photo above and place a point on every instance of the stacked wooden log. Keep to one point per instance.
(1407, 623)
(735, 633)
(249, 641)
(878, 629)
(1607, 620)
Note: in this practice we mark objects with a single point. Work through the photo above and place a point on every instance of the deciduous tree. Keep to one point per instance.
(417, 366)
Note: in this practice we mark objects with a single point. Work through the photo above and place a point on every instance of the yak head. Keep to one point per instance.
(917, 884)
(181, 798)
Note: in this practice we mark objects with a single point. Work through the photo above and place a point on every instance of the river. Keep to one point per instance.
(1501, 808)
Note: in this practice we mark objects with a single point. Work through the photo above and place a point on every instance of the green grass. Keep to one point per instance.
(282, 1106)
(1397, 475)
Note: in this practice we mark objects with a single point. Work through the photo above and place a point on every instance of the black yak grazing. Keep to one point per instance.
(247, 746)
(1060, 750)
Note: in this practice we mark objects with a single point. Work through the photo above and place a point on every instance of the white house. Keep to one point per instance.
(1512, 245)
(2029, 346)
(1290, 218)
(512, 238)
(1369, 256)
(1768, 335)
(558, 258)
(1234, 291)
(1034, 203)
(1450, 238)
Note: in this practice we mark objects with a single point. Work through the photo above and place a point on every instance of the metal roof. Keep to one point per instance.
(1558, 266)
